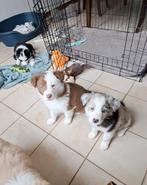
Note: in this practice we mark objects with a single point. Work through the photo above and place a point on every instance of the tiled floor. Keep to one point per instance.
(64, 154)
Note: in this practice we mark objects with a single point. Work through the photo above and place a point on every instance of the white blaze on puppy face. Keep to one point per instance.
(99, 106)
(49, 86)
(54, 86)
(21, 50)
(93, 109)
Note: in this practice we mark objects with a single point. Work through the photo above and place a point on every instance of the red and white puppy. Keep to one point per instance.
(59, 97)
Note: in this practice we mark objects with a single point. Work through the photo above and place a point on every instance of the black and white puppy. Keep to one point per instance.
(24, 54)
(106, 114)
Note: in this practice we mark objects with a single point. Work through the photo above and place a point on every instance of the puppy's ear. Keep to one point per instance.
(34, 81)
(14, 56)
(31, 49)
(114, 103)
(85, 98)
(59, 75)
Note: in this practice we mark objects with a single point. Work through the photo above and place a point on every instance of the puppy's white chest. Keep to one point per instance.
(59, 105)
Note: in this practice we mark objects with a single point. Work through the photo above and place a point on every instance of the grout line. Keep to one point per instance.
(38, 145)
(21, 114)
(20, 86)
(10, 125)
(67, 145)
(31, 106)
(106, 172)
(98, 76)
(10, 93)
(33, 123)
(125, 94)
(144, 178)
(90, 86)
(6, 59)
(10, 108)
(137, 134)
(84, 160)
(76, 172)
(84, 80)
(128, 91)
(109, 88)
(135, 97)
(89, 80)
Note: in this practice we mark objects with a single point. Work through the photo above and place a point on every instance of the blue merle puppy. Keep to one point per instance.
(106, 114)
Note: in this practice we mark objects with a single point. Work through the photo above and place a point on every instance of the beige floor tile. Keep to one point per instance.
(102, 89)
(22, 98)
(7, 117)
(9, 61)
(125, 159)
(6, 92)
(75, 135)
(25, 135)
(115, 82)
(138, 109)
(90, 74)
(39, 114)
(91, 175)
(5, 52)
(84, 83)
(56, 162)
(5, 55)
(145, 180)
(139, 90)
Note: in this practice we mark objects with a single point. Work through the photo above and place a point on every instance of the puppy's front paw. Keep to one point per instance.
(122, 132)
(67, 121)
(17, 62)
(104, 146)
(92, 135)
(32, 62)
(51, 121)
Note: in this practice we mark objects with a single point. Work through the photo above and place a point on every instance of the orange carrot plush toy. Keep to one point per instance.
(59, 60)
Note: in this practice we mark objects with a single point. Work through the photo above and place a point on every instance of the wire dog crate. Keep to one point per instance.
(109, 36)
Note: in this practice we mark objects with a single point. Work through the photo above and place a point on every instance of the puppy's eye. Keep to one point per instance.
(92, 108)
(53, 85)
(103, 111)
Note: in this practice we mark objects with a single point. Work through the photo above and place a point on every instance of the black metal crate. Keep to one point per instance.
(113, 42)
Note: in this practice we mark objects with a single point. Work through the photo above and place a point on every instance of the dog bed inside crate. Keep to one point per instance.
(11, 38)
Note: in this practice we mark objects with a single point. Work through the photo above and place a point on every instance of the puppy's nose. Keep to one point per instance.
(49, 96)
(95, 120)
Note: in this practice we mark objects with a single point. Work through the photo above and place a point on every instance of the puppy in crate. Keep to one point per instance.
(106, 114)
(24, 54)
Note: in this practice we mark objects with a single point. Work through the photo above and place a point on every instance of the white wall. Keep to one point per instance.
(12, 7)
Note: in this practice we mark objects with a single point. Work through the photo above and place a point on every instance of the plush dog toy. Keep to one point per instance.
(58, 59)
(20, 69)
(74, 70)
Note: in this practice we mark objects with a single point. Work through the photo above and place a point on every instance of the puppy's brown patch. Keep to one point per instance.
(40, 83)
(76, 91)
(64, 91)
(59, 75)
